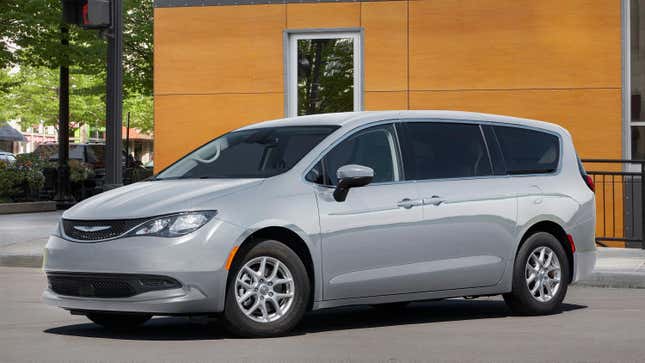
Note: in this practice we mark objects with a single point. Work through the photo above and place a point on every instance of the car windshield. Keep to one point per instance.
(254, 153)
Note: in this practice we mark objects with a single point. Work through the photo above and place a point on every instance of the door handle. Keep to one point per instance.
(408, 203)
(434, 200)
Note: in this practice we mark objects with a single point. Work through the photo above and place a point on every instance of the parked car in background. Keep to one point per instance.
(277, 218)
(87, 164)
(91, 154)
(7, 157)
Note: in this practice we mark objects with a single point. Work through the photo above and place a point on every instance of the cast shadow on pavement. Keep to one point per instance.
(359, 317)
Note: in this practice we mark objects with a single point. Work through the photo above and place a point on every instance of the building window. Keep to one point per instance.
(323, 72)
(637, 78)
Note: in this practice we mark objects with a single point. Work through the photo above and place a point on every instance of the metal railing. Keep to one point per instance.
(619, 200)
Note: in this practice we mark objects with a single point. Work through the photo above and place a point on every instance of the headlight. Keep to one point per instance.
(173, 225)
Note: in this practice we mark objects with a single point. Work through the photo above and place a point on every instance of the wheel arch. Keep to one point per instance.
(292, 240)
(555, 230)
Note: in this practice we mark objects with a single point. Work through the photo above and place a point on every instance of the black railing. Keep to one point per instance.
(619, 200)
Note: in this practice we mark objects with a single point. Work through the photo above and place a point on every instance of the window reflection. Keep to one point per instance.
(325, 75)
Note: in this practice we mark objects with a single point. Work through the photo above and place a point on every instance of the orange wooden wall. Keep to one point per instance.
(220, 67)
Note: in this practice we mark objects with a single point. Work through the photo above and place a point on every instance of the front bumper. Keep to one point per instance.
(197, 261)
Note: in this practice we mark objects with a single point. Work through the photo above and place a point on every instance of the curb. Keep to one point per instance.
(614, 280)
(21, 261)
(27, 207)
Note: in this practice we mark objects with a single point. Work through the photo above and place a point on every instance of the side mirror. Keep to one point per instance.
(351, 176)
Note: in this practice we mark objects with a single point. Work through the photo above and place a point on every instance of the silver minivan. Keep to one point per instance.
(271, 220)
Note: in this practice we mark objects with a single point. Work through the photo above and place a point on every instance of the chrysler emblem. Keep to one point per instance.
(91, 228)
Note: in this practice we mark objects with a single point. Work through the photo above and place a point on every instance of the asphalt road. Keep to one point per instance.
(598, 325)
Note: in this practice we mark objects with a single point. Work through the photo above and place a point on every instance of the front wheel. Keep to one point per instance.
(540, 276)
(267, 292)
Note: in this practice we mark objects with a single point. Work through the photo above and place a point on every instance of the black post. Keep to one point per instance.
(63, 197)
(114, 100)
(642, 205)
(127, 139)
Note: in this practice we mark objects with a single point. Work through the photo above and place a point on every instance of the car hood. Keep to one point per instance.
(153, 198)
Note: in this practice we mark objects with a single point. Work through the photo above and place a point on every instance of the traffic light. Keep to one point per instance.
(89, 14)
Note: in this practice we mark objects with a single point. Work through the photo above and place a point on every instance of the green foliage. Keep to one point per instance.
(33, 29)
(141, 111)
(21, 180)
(30, 37)
(79, 171)
(325, 76)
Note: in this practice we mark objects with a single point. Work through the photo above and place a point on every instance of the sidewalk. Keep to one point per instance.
(618, 267)
(23, 237)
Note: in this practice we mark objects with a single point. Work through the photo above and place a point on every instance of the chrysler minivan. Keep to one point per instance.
(269, 221)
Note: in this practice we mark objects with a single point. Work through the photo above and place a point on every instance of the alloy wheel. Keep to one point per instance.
(264, 289)
(543, 274)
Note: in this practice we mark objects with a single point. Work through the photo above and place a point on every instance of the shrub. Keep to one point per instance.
(79, 171)
(21, 180)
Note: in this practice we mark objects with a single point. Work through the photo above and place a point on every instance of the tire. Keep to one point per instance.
(117, 321)
(284, 303)
(521, 300)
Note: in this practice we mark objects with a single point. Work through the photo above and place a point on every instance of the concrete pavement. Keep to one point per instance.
(595, 325)
(23, 237)
(618, 267)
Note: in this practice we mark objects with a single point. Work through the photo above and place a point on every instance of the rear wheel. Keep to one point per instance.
(268, 291)
(540, 276)
(118, 321)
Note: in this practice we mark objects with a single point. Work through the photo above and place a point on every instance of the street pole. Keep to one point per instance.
(114, 100)
(63, 196)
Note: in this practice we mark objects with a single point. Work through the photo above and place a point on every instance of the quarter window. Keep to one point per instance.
(373, 147)
(528, 151)
(435, 150)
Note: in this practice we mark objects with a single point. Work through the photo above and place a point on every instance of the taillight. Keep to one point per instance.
(589, 182)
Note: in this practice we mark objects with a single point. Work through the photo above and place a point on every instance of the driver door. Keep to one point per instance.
(365, 239)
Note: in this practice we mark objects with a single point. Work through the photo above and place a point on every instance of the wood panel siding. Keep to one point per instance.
(386, 45)
(184, 122)
(553, 60)
(386, 100)
(224, 49)
(514, 44)
(323, 15)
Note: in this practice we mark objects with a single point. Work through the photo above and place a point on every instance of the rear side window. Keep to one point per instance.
(434, 150)
(528, 151)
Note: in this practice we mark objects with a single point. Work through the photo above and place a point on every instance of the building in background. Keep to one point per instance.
(140, 144)
(223, 64)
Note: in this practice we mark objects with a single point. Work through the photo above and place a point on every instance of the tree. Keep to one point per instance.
(325, 76)
(30, 38)
(33, 26)
(34, 97)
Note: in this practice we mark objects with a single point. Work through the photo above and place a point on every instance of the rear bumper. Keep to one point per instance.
(583, 264)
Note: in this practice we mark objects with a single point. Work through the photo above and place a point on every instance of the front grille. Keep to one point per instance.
(99, 229)
(107, 285)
